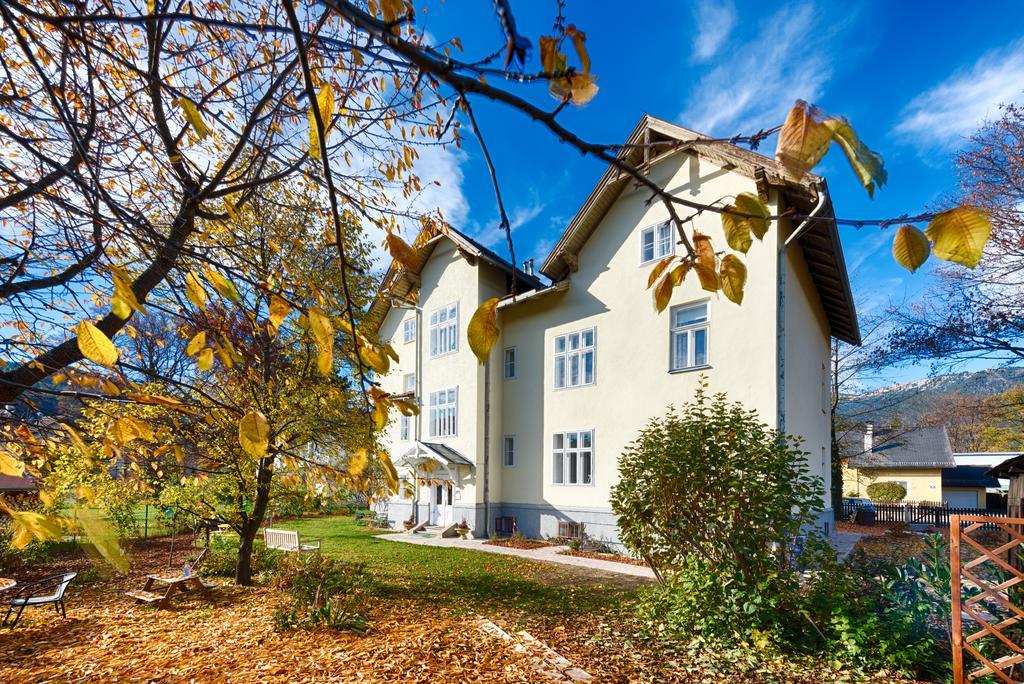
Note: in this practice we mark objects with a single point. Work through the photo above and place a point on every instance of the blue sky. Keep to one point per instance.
(913, 78)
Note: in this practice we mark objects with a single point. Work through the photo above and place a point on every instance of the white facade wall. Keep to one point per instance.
(633, 379)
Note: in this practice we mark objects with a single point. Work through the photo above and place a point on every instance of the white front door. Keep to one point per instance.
(441, 504)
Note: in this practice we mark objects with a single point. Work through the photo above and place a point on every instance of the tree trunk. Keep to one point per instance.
(251, 524)
(243, 565)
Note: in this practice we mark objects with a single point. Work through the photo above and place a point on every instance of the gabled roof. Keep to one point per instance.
(922, 447)
(820, 240)
(399, 281)
(968, 476)
(435, 451)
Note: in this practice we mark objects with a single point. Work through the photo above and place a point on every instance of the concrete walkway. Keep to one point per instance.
(547, 554)
(843, 542)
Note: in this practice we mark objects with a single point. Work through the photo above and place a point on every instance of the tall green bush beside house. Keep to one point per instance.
(721, 506)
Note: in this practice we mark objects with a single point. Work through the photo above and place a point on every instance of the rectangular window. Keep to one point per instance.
(689, 336)
(409, 382)
(444, 412)
(656, 242)
(510, 363)
(574, 359)
(573, 458)
(403, 427)
(508, 450)
(444, 330)
(409, 330)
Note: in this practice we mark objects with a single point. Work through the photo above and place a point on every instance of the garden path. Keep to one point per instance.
(548, 554)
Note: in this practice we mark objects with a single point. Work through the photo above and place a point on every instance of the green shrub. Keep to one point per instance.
(223, 556)
(324, 591)
(887, 492)
(712, 481)
(721, 507)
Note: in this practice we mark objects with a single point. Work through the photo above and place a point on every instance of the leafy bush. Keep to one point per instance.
(712, 481)
(888, 492)
(223, 556)
(324, 591)
(721, 507)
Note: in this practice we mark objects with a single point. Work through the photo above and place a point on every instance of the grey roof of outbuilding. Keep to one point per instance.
(449, 453)
(922, 447)
(968, 476)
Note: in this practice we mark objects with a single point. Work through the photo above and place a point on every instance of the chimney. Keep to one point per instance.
(869, 438)
(528, 266)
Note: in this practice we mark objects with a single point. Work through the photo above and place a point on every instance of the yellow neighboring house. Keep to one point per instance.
(913, 457)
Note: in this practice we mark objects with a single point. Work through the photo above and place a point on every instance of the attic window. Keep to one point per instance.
(656, 242)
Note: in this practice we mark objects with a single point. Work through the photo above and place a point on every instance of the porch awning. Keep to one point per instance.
(432, 451)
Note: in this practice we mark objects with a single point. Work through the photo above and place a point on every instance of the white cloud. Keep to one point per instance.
(493, 237)
(715, 21)
(755, 84)
(939, 118)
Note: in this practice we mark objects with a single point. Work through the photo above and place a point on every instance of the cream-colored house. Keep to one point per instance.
(913, 457)
(584, 361)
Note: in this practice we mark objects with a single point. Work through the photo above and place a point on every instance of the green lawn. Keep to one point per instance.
(466, 581)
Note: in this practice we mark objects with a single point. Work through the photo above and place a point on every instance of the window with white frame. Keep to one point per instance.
(510, 363)
(656, 242)
(404, 424)
(689, 336)
(508, 450)
(444, 412)
(409, 382)
(573, 458)
(409, 329)
(574, 359)
(444, 330)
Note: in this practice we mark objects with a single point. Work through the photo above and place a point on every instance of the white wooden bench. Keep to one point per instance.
(288, 540)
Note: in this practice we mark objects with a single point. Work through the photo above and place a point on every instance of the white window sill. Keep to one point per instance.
(690, 369)
(447, 353)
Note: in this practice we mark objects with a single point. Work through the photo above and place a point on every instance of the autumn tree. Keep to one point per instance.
(978, 313)
(137, 137)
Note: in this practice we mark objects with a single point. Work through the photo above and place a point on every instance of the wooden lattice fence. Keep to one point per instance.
(986, 556)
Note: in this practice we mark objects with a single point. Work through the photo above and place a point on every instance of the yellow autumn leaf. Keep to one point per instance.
(120, 308)
(803, 140)
(196, 343)
(706, 265)
(30, 526)
(407, 408)
(679, 273)
(78, 442)
(373, 358)
(102, 536)
(960, 234)
(663, 293)
(278, 311)
(390, 473)
(357, 463)
(747, 216)
(401, 251)
(194, 290)
(323, 334)
(222, 285)
(95, 345)
(205, 360)
(910, 247)
(254, 434)
(9, 465)
(159, 400)
(483, 329)
(733, 274)
(195, 119)
(325, 102)
(123, 290)
(380, 413)
(658, 269)
(866, 164)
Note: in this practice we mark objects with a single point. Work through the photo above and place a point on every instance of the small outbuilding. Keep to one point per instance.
(967, 486)
(1012, 469)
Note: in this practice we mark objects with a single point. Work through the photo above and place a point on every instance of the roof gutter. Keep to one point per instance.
(780, 309)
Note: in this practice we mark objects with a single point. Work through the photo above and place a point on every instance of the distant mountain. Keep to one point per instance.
(908, 401)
